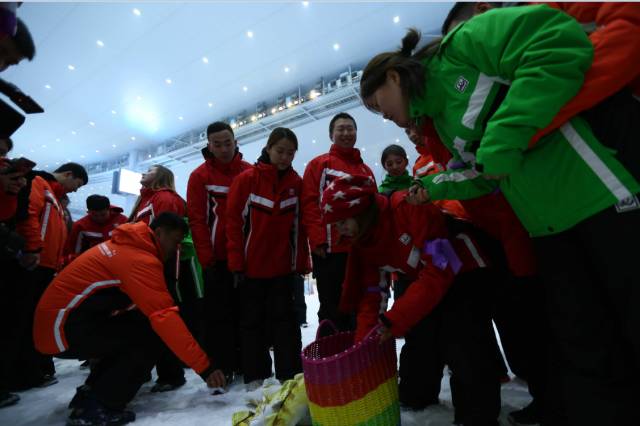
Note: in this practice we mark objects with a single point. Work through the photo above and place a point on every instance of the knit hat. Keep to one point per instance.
(346, 197)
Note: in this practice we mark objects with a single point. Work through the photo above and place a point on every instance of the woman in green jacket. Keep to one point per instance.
(488, 86)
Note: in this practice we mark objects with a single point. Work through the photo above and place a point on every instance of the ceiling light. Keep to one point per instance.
(44, 146)
(71, 67)
(250, 34)
(396, 19)
(137, 12)
(363, 149)
(138, 98)
(73, 132)
(305, 4)
(305, 164)
(375, 164)
(313, 141)
(46, 86)
(286, 69)
(289, 104)
(273, 110)
(210, 104)
(205, 60)
(245, 88)
(57, 162)
(31, 150)
(384, 120)
(113, 146)
(46, 166)
(280, 108)
(133, 138)
(234, 125)
(167, 80)
(336, 46)
(314, 94)
(92, 124)
(149, 156)
(98, 151)
(254, 118)
(99, 43)
(113, 111)
(397, 140)
(81, 155)
(180, 118)
(57, 139)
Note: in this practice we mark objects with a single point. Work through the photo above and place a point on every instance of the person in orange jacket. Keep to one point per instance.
(329, 254)
(267, 246)
(101, 219)
(112, 304)
(40, 221)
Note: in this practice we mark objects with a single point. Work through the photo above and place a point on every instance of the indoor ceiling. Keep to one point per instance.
(117, 77)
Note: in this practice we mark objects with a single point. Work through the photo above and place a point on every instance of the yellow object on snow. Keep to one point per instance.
(286, 406)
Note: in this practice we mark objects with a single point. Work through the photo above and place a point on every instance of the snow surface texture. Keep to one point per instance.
(193, 404)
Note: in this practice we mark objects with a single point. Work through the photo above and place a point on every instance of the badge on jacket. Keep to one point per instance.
(461, 84)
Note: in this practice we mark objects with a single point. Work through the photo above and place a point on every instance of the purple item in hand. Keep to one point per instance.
(442, 254)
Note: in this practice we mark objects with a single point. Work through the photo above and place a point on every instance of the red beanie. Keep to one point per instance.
(347, 197)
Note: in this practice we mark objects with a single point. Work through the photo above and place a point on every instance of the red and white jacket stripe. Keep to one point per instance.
(207, 193)
(264, 235)
(319, 173)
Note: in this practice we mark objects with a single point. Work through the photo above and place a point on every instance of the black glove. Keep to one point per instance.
(238, 279)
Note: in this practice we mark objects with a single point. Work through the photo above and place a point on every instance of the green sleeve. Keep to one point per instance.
(458, 184)
(544, 53)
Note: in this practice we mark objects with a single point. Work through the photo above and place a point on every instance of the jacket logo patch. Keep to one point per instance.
(405, 239)
(292, 191)
(461, 84)
(628, 204)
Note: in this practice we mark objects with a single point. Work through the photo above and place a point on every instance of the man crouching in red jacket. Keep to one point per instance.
(112, 304)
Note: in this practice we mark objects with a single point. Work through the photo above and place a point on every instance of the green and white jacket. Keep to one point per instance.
(493, 83)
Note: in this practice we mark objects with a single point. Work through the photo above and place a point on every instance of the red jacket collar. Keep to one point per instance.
(234, 166)
(351, 155)
(58, 189)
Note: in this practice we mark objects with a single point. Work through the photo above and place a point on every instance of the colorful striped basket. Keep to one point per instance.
(351, 384)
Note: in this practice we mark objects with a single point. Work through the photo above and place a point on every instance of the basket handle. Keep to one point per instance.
(324, 323)
(372, 332)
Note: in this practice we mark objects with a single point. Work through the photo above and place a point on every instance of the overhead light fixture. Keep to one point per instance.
(81, 155)
(396, 19)
(98, 151)
(205, 60)
(254, 118)
(113, 111)
(133, 138)
(397, 140)
(167, 80)
(57, 139)
(99, 43)
(71, 67)
(180, 118)
(250, 34)
(313, 141)
(245, 88)
(138, 98)
(273, 110)
(46, 86)
(73, 132)
(113, 146)
(210, 104)
(336, 46)
(305, 4)
(136, 12)
(286, 69)
(44, 146)
(92, 124)
(313, 94)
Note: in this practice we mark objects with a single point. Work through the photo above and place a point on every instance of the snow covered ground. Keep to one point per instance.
(193, 405)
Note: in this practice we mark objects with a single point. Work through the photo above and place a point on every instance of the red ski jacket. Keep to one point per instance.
(206, 204)
(121, 274)
(85, 233)
(317, 176)
(264, 235)
(415, 241)
(156, 201)
(614, 29)
(491, 213)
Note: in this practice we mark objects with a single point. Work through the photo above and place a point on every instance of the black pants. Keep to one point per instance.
(268, 316)
(329, 273)
(591, 282)
(191, 303)
(126, 349)
(299, 303)
(168, 365)
(222, 316)
(29, 365)
(10, 333)
(466, 344)
(421, 363)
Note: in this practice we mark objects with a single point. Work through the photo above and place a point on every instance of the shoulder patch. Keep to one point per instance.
(461, 84)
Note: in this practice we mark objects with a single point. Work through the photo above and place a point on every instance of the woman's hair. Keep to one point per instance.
(406, 63)
(280, 133)
(393, 150)
(164, 180)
